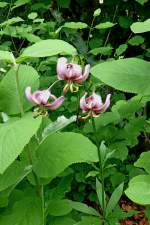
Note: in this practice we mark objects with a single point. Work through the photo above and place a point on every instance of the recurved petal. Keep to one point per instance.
(61, 68)
(83, 104)
(106, 104)
(29, 95)
(56, 104)
(97, 100)
(86, 72)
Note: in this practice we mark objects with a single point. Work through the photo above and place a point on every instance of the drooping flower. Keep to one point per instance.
(44, 98)
(93, 104)
(72, 73)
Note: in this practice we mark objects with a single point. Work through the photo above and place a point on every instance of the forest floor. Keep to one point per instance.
(137, 219)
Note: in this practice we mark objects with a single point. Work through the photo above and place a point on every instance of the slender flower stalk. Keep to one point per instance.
(101, 169)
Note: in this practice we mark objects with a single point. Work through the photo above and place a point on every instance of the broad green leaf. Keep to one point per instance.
(114, 199)
(64, 220)
(99, 193)
(46, 48)
(19, 3)
(11, 21)
(89, 220)
(9, 91)
(128, 75)
(81, 207)
(26, 211)
(14, 135)
(59, 207)
(65, 149)
(59, 124)
(105, 25)
(13, 174)
(102, 50)
(143, 161)
(142, 2)
(121, 49)
(139, 189)
(31, 37)
(141, 27)
(7, 56)
(3, 4)
(136, 40)
(72, 25)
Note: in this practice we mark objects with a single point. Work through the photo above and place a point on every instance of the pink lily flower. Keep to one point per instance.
(71, 72)
(93, 104)
(42, 98)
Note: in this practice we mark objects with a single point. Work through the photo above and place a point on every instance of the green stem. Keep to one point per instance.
(90, 31)
(100, 166)
(19, 92)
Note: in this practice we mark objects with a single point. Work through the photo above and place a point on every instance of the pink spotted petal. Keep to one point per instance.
(61, 68)
(106, 104)
(86, 72)
(83, 104)
(30, 96)
(56, 104)
(45, 96)
(97, 100)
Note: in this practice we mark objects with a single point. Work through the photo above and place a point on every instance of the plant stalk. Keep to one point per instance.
(100, 166)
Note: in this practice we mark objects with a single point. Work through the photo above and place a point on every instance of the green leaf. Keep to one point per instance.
(121, 49)
(7, 56)
(105, 25)
(141, 27)
(32, 15)
(59, 124)
(9, 93)
(142, 2)
(143, 161)
(66, 148)
(136, 40)
(102, 50)
(13, 175)
(139, 189)
(3, 4)
(19, 3)
(73, 25)
(46, 48)
(62, 221)
(18, 132)
(26, 211)
(97, 12)
(114, 199)
(59, 207)
(89, 220)
(81, 207)
(128, 75)
(11, 21)
(99, 193)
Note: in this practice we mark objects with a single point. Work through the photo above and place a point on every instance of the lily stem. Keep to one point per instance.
(100, 167)
(90, 31)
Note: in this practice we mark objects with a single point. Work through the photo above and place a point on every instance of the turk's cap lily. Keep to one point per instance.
(93, 104)
(44, 98)
(71, 72)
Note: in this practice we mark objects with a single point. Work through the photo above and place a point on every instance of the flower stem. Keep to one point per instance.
(90, 31)
(100, 166)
